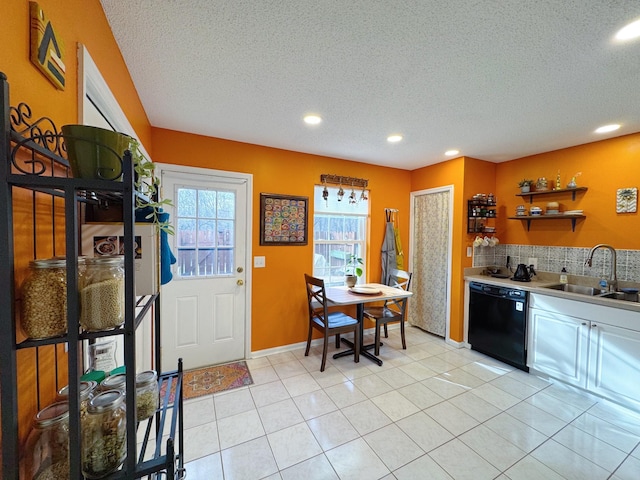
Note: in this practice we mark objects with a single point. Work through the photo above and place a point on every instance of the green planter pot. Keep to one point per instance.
(95, 153)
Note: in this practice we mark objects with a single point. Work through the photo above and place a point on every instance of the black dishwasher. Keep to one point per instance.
(498, 323)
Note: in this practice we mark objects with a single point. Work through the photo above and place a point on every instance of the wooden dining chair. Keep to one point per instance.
(329, 324)
(392, 310)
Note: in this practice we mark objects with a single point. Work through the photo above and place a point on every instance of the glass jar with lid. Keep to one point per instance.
(86, 390)
(47, 449)
(44, 298)
(114, 382)
(147, 394)
(102, 296)
(104, 434)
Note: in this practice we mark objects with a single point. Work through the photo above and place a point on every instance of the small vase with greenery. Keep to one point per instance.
(353, 270)
(525, 185)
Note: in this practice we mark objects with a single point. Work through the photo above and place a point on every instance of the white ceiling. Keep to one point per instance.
(495, 79)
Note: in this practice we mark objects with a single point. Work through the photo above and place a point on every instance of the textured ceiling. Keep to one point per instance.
(495, 79)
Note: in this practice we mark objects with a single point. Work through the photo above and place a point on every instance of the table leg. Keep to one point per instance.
(364, 349)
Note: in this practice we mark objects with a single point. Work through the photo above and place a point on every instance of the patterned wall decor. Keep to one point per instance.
(626, 200)
(47, 50)
(283, 219)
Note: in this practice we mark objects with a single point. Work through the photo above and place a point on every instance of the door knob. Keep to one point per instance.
(240, 282)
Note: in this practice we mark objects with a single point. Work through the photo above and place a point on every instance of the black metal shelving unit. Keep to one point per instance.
(34, 162)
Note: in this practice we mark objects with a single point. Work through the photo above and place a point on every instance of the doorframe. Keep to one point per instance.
(430, 191)
(167, 167)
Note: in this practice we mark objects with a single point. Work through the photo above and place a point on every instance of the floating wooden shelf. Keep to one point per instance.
(528, 218)
(550, 192)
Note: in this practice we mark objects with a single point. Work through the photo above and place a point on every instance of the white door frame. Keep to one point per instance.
(413, 195)
(160, 167)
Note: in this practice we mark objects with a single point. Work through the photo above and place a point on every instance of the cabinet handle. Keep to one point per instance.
(593, 325)
(584, 323)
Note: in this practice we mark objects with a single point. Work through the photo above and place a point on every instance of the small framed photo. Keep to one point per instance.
(283, 219)
(626, 200)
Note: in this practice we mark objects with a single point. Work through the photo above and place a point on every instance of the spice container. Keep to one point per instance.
(44, 298)
(102, 296)
(147, 395)
(46, 455)
(104, 435)
(114, 382)
(85, 391)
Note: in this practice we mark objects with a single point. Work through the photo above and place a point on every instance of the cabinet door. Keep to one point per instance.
(614, 363)
(558, 346)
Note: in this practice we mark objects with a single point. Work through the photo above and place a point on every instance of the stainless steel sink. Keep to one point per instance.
(570, 287)
(620, 296)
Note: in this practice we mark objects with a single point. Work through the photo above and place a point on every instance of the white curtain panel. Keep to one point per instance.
(430, 260)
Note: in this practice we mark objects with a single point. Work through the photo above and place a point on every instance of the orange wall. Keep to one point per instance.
(74, 21)
(279, 311)
(605, 165)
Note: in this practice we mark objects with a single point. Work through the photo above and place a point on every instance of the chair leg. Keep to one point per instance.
(376, 348)
(337, 340)
(325, 347)
(404, 344)
(306, 352)
(386, 332)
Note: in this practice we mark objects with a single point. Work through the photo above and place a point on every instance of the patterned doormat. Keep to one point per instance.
(215, 379)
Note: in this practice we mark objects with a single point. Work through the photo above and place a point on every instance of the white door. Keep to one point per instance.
(614, 366)
(431, 243)
(204, 307)
(558, 346)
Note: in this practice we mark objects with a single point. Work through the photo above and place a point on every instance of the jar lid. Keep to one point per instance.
(114, 382)
(106, 401)
(54, 262)
(106, 260)
(146, 378)
(54, 413)
(85, 388)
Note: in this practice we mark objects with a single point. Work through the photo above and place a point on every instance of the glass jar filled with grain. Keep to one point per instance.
(104, 435)
(85, 392)
(44, 298)
(46, 455)
(147, 394)
(102, 296)
(114, 382)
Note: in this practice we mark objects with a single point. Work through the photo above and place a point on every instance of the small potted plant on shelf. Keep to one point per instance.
(352, 270)
(525, 185)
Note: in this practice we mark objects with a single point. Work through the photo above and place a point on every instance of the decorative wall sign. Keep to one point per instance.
(283, 219)
(626, 200)
(47, 50)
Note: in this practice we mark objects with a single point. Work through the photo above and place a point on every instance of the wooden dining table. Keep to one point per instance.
(346, 296)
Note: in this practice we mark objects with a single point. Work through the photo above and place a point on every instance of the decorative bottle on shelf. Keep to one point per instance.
(563, 276)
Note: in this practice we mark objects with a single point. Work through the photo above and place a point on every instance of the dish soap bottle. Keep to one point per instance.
(563, 276)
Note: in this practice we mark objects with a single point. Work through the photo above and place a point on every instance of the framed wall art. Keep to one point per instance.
(626, 200)
(283, 219)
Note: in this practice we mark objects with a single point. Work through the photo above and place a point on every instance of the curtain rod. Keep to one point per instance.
(344, 181)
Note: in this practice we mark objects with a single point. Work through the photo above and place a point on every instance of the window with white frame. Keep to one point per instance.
(339, 231)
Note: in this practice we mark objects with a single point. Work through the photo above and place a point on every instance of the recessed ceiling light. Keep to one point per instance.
(451, 153)
(394, 138)
(312, 119)
(608, 128)
(629, 32)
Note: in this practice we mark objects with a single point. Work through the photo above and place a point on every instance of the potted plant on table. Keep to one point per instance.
(525, 185)
(352, 270)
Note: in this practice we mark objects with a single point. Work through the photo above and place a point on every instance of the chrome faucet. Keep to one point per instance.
(612, 283)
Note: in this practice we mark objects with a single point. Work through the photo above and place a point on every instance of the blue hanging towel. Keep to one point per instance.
(166, 256)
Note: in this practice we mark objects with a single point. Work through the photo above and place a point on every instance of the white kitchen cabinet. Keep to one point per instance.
(558, 346)
(614, 363)
(569, 341)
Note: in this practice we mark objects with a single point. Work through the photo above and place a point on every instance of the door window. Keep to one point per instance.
(205, 229)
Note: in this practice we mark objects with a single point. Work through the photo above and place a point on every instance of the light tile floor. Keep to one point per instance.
(431, 411)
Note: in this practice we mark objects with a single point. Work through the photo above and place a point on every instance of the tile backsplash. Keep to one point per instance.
(552, 259)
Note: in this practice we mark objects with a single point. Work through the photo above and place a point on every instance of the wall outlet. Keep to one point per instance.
(259, 262)
(533, 261)
(469, 251)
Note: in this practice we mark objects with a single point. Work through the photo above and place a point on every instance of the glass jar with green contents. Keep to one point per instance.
(104, 434)
(102, 294)
(147, 395)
